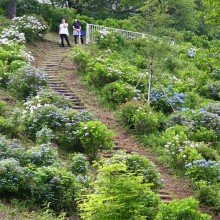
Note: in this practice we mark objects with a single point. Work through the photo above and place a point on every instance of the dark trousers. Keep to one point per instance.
(77, 37)
(66, 38)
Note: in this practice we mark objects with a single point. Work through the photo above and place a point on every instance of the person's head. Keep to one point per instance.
(63, 20)
(75, 20)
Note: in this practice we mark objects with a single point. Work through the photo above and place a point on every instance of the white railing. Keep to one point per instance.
(93, 28)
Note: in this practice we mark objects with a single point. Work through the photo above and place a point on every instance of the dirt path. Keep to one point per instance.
(173, 186)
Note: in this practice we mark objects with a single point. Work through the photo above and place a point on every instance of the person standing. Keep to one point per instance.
(63, 32)
(77, 31)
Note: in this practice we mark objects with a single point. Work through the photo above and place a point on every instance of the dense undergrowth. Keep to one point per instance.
(49, 167)
(181, 122)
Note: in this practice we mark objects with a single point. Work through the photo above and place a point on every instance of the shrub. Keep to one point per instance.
(94, 136)
(2, 107)
(64, 123)
(99, 74)
(27, 81)
(208, 195)
(56, 16)
(46, 97)
(40, 155)
(34, 27)
(112, 40)
(54, 186)
(199, 119)
(12, 36)
(178, 151)
(81, 57)
(185, 209)
(117, 93)
(140, 166)
(119, 195)
(140, 118)
(160, 101)
(44, 136)
(12, 54)
(203, 170)
(12, 178)
(78, 164)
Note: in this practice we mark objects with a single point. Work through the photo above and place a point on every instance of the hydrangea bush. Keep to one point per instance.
(26, 82)
(34, 27)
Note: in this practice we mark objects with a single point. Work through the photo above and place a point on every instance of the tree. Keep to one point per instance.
(12, 8)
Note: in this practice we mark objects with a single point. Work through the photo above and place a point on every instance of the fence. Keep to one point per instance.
(129, 35)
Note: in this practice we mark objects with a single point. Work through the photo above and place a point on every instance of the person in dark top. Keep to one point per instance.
(77, 30)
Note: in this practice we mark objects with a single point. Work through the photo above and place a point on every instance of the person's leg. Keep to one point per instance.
(75, 39)
(82, 42)
(67, 40)
(61, 36)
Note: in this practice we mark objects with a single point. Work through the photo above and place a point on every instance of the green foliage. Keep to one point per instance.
(118, 194)
(56, 186)
(204, 170)
(26, 82)
(94, 136)
(116, 93)
(211, 12)
(208, 195)
(4, 22)
(63, 123)
(40, 155)
(81, 57)
(56, 15)
(140, 166)
(184, 209)
(34, 27)
(78, 164)
(140, 118)
(44, 136)
(178, 151)
(47, 96)
(12, 178)
(112, 40)
(2, 107)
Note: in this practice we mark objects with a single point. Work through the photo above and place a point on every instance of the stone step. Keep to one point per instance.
(165, 197)
(50, 64)
(55, 83)
(69, 95)
(60, 91)
(53, 77)
(165, 201)
(78, 107)
(72, 98)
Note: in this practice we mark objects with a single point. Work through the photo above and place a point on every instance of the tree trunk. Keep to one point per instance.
(12, 8)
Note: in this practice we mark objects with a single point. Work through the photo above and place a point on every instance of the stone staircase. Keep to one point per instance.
(51, 68)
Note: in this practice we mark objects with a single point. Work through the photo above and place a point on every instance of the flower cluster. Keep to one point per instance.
(161, 101)
(103, 33)
(30, 26)
(179, 151)
(191, 52)
(204, 170)
(11, 36)
(26, 82)
(28, 22)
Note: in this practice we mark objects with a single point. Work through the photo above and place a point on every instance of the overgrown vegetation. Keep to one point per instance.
(180, 124)
(48, 151)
